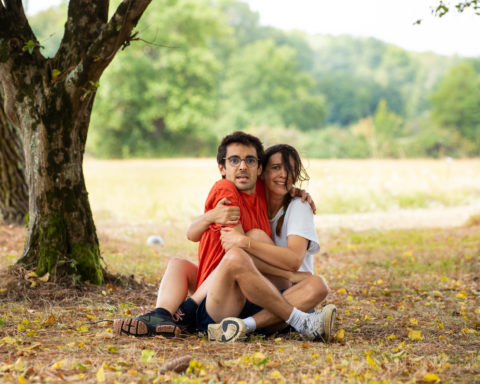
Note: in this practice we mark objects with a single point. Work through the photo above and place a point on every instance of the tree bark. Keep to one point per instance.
(51, 101)
(13, 188)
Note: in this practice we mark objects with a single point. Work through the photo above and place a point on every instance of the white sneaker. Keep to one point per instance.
(320, 324)
(229, 330)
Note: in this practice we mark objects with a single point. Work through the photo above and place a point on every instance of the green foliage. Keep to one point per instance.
(29, 46)
(456, 103)
(264, 86)
(334, 143)
(205, 68)
(48, 26)
(443, 8)
(157, 96)
(387, 128)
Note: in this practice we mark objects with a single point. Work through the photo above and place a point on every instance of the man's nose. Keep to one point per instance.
(243, 164)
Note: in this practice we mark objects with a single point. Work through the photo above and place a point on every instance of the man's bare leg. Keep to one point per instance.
(179, 279)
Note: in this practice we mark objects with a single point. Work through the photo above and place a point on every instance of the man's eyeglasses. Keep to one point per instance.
(235, 161)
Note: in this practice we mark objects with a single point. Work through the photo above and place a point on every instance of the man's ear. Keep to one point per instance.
(259, 171)
(222, 170)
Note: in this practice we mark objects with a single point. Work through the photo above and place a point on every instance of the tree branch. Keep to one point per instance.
(111, 38)
(85, 20)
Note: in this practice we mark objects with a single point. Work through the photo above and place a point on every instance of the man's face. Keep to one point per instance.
(241, 175)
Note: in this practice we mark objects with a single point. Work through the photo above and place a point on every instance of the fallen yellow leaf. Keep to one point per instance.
(371, 362)
(276, 375)
(462, 295)
(340, 334)
(413, 321)
(58, 364)
(45, 277)
(101, 375)
(8, 340)
(431, 378)
(415, 335)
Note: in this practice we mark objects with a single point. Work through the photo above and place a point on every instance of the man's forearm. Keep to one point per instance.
(197, 227)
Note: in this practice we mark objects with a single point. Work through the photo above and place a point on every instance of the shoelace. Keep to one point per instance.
(179, 315)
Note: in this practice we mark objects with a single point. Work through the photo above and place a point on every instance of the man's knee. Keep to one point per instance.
(235, 260)
(179, 263)
(259, 235)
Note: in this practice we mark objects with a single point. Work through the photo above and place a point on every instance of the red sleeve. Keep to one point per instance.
(222, 188)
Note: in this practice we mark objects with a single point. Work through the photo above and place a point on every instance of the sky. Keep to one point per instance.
(387, 20)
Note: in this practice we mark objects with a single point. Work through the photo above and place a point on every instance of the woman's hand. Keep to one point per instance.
(231, 238)
(224, 214)
(305, 196)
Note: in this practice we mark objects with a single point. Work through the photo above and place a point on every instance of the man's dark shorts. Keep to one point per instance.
(203, 318)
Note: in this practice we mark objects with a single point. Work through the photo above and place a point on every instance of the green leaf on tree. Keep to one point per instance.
(29, 46)
(55, 73)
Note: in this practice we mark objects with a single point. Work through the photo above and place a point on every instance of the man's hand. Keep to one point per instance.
(223, 213)
(305, 196)
(231, 238)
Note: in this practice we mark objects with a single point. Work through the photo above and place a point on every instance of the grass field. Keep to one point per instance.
(409, 306)
(174, 190)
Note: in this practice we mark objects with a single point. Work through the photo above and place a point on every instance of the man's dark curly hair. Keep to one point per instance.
(240, 138)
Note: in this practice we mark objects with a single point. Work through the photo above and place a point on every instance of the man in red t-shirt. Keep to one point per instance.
(239, 159)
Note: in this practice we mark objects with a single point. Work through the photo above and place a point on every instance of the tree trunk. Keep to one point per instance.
(13, 188)
(50, 100)
(61, 236)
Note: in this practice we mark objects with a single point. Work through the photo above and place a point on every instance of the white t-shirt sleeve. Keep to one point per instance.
(299, 220)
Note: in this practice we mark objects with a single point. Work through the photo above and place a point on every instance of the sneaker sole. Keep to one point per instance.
(168, 330)
(130, 327)
(229, 330)
(329, 322)
(133, 327)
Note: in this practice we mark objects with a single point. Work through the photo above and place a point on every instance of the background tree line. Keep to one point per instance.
(205, 68)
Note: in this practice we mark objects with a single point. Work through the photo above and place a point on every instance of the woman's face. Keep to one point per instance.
(275, 175)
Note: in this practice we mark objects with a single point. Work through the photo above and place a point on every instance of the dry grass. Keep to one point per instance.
(409, 307)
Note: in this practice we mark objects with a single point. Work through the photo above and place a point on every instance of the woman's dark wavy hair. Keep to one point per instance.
(297, 172)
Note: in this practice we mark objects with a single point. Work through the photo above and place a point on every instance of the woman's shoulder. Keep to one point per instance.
(297, 202)
(296, 205)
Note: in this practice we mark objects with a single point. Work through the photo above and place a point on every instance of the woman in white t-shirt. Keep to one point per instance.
(290, 255)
